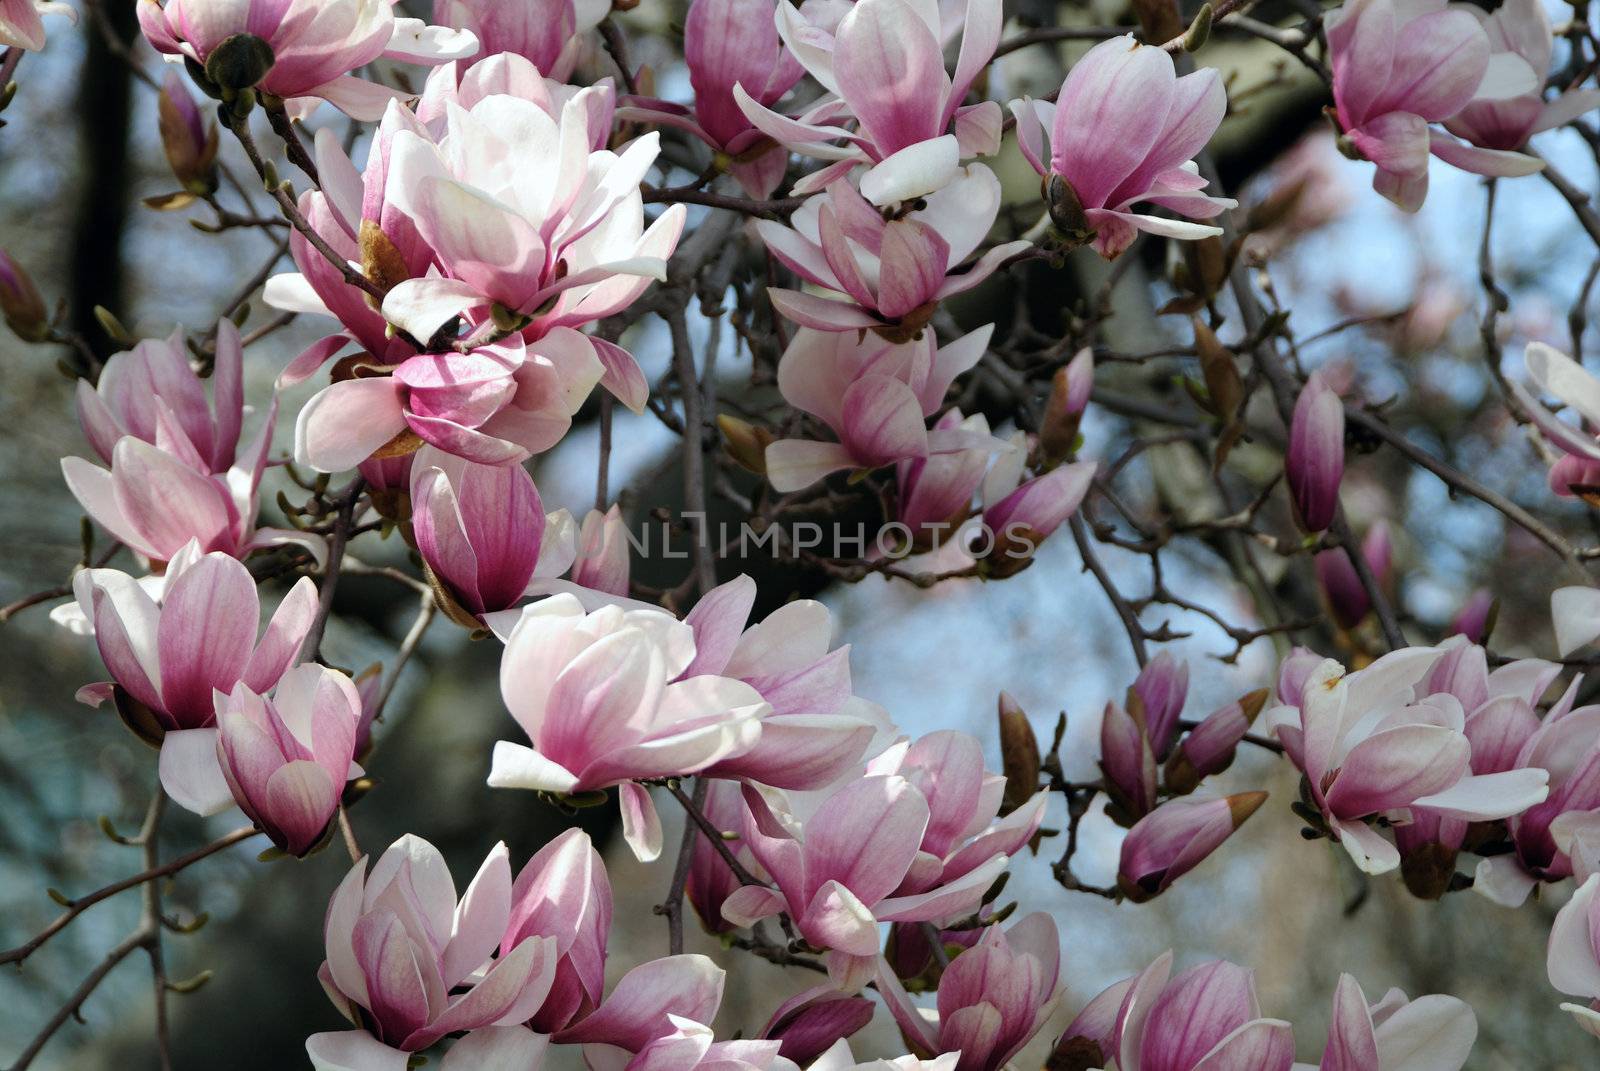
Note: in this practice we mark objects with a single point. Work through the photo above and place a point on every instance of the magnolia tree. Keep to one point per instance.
(484, 210)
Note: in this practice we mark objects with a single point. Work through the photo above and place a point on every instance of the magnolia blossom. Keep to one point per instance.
(563, 894)
(1573, 959)
(168, 657)
(400, 946)
(1521, 28)
(1127, 764)
(936, 491)
(817, 729)
(1176, 837)
(1399, 66)
(1123, 130)
(815, 1020)
(1205, 1018)
(153, 393)
(525, 216)
(1379, 742)
(875, 395)
(313, 45)
(1559, 375)
(660, 1000)
(1396, 1034)
(730, 47)
(497, 405)
(283, 757)
(483, 534)
(601, 700)
(601, 556)
(178, 472)
(992, 998)
(840, 871)
(887, 276)
(1020, 514)
(912, 130)
(21, 26)
(1209, 747)
(1566, 745)
(545, 32)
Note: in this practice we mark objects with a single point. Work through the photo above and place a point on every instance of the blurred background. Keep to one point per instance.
(78, 153)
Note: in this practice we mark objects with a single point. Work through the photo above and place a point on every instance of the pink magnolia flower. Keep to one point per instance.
(1347, 597)
(152, 393)
(482, 531)
(283, 756)
(1206, 1018)
(497, 405)
(600, 699)
(815, 1020)
(1554, 373)
(1124, 130)
(730, 46)
(1566, 746)
(21, 26)
(992, 1000)
(1522, 28)
(692, 1046)
(652, 1002)
(158, 496)
(936, 491)
(490, 1046)
(1380, 742)
(875, 395)
(886, 276)
(601, 563)
(565, 251)
(1176, 837)
(1573, 960)
(838, 871)
(839, 1058)
(545, 32)
(410, 964)
(965, 831)
(1314, 464)
(315, 44)
(1399, 67)
(911, 130)
(563, 894)
(167, 658)
(1396, 1033)
(817, 729)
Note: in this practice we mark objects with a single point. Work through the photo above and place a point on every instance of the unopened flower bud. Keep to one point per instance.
(1175, 838)
(745, 443)
(1475, 620)
(1209, 748)
(1019, 755)
(1160, 692)
(239, 62)
(1069, 395)
(189, 140)
(1315, 463)
(1128, 766)
(20, 302)
(1347, 597)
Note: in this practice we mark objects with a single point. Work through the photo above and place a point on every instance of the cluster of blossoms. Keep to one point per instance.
(472, 270)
